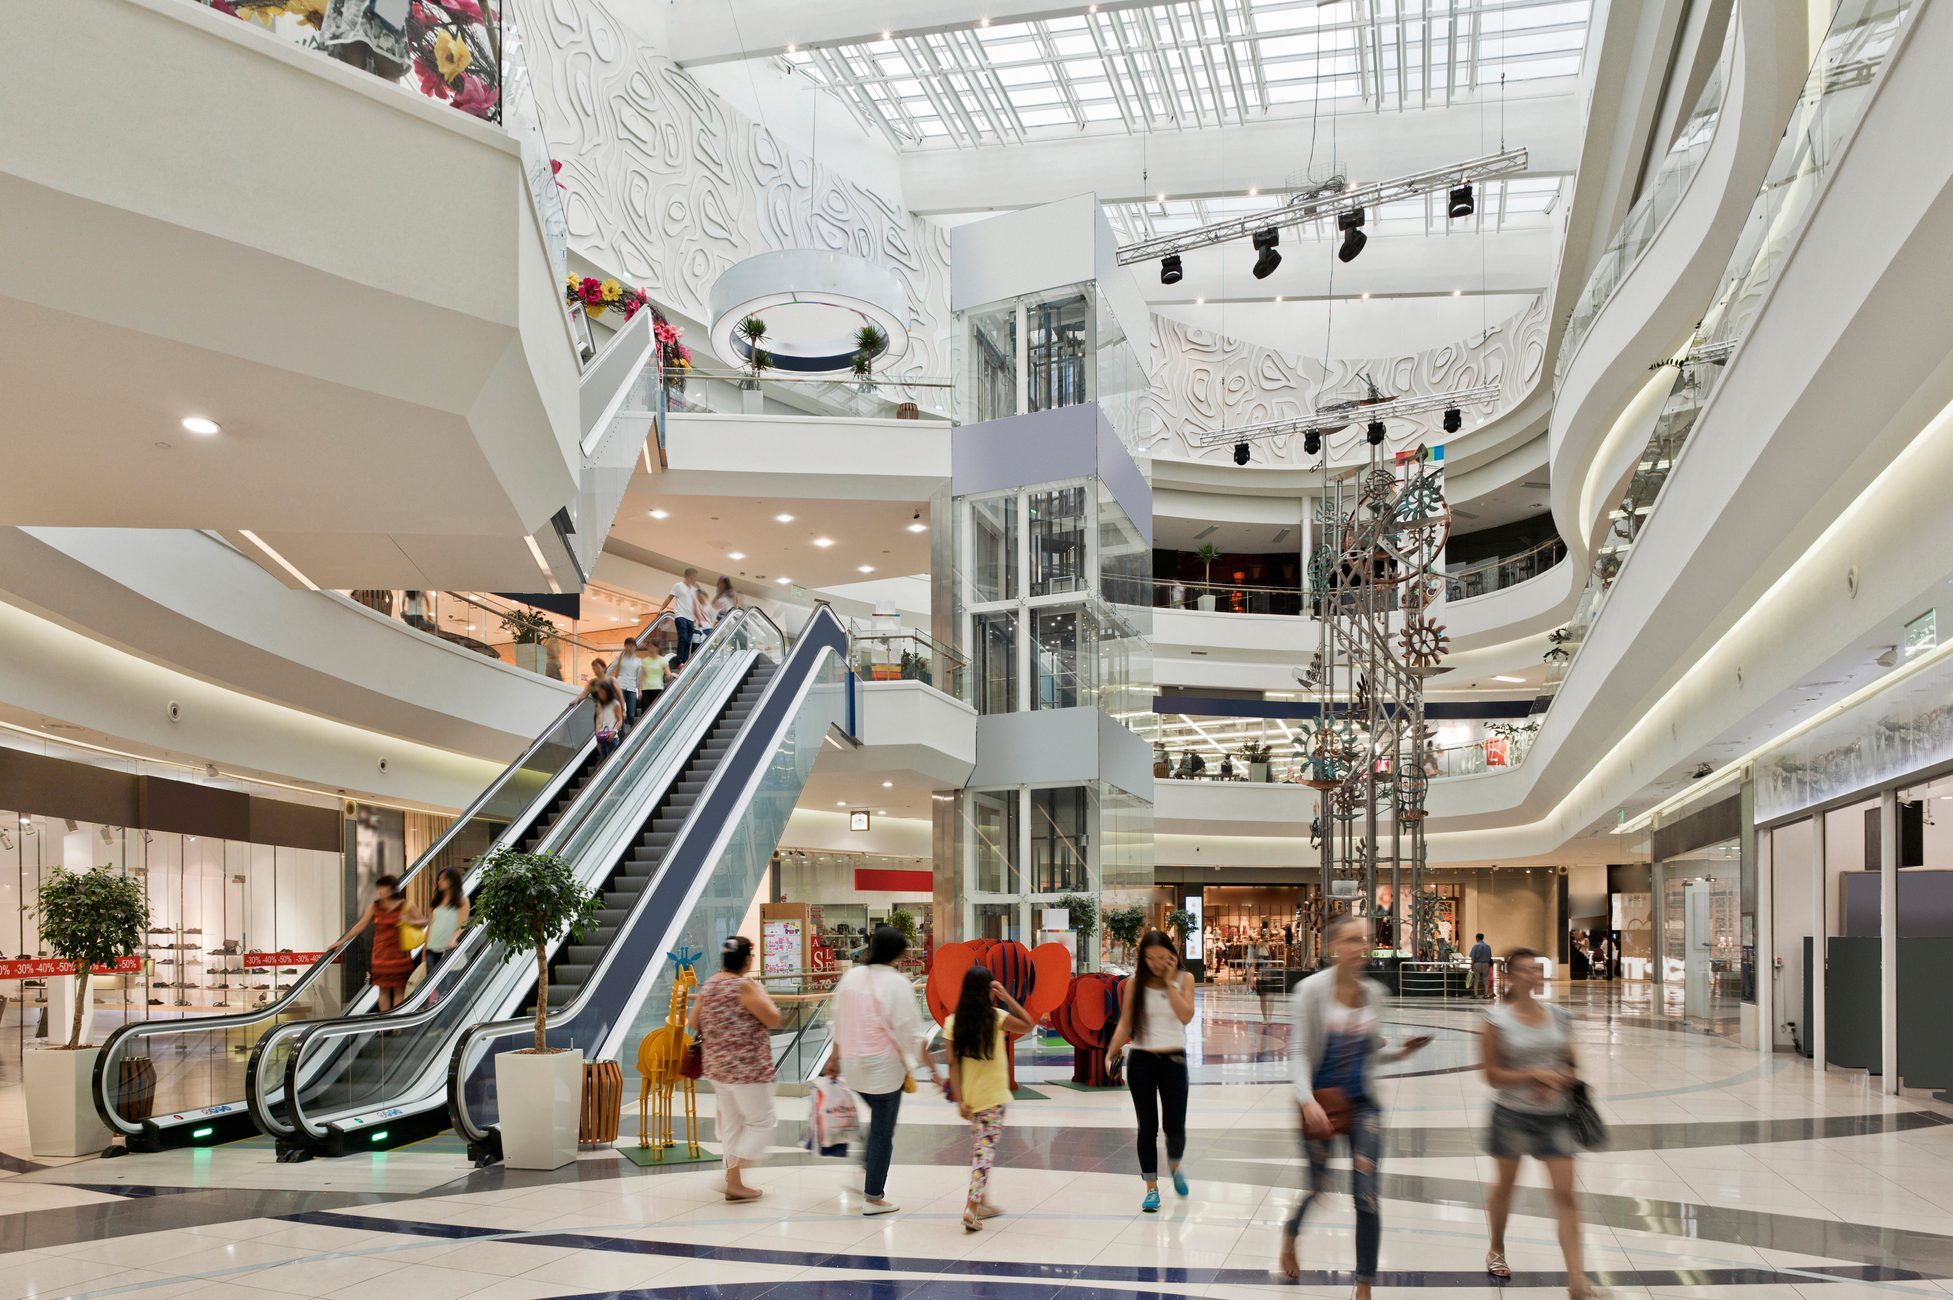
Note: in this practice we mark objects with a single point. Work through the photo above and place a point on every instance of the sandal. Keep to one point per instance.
(1495, 1265)
(971, 1222)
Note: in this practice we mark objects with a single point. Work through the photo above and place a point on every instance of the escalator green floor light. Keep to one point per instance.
(201, 1132)
(381, 1136)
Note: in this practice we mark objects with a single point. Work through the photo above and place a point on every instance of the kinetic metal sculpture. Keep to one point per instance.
(1376, 577)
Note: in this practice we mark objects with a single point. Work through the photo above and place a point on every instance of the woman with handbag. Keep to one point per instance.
(731, 1017)
(1335, 1037)
(1526, 1050)
(1154, 1008)
(878, 1032)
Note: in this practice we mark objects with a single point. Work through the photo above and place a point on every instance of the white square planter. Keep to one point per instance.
(61, 1118)
(540, 1098)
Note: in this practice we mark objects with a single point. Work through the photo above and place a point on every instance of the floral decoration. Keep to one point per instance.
(599, 296)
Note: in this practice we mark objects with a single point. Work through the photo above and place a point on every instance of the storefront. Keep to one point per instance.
(848, 894)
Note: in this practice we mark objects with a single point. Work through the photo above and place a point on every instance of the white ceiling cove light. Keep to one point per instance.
(197, 424)
(1501, 677)
(814, 304)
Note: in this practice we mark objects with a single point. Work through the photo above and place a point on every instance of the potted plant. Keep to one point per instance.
(1124, 925)
(1256, 754)
(531, 631)
(87, 919)
(753, 331)
(523, 902)
(904, 920)
(1183, 924)
(1208, 553)
(1082, 915)
(869, 343)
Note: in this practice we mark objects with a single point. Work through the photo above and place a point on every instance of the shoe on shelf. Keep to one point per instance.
(1151, 1205)
(1179, 1183)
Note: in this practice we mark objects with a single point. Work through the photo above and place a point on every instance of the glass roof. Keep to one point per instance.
(1192, 63)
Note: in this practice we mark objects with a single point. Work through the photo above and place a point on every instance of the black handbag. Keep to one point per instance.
(1589, 1130)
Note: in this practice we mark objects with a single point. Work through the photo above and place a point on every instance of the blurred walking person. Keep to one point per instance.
(979, 1076)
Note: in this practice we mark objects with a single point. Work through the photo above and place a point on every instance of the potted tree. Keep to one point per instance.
(1256, 754)
(1183, 924)
(87, 919)
(524, 901)
(903, 920)
(532, 631)
(1208, 553)
(1082, 914)
(869, 343)
(753, 331)
(1124, 925)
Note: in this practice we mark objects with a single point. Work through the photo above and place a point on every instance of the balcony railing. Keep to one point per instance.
(497, 629)
(729, 392)
(1485, 576)
(1855, 51)
(1650, 212)
(905, 656)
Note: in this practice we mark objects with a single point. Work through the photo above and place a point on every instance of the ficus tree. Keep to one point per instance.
(87, 919)
(523, 902)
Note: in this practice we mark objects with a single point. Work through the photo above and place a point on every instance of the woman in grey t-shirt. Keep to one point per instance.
(1527, 1055)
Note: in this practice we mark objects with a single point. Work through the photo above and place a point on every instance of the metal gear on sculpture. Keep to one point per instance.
(1424, 642)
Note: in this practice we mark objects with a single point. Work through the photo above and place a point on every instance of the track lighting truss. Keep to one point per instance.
(1318, 206)
(1340, 415)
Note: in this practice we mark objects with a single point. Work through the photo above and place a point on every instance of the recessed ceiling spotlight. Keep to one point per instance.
(197, 424)
(1160, 197)
(1279, 298)
(1366, 297)
(888, 785)
(1501, 677)
(840, 803)
(823, 542)
(1200, 302)
(864, 568)
(784, 581)
(983, 22)
(782, 519)
(735, 555)
(887, 35)
(916, 525)
(660, 514)
(1254, 191)
(1457, 293)
(792, 48)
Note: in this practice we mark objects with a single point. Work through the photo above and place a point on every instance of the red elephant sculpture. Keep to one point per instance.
(1087, 1019)
(1038, 978)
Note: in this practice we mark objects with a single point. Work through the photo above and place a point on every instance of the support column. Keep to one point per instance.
(1766, 943)
(1888, 939)
(1820, 931)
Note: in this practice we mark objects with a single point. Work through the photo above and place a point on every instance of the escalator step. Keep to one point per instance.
(589, 953)
(569, 973)
(558, 995)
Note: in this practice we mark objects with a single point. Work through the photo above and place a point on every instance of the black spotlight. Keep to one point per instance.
(1351, 224)
(1454, 419)
(1461, 204)
(1240, 453)
(1170, 272)
(1311, 444)
(1268, 259)
(1375, 433)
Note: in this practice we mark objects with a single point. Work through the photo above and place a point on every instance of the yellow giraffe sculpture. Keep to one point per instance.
(658, 1058)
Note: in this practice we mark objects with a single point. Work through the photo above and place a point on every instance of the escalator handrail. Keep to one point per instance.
(458, 1112)
(335, 953)
(417, 1011)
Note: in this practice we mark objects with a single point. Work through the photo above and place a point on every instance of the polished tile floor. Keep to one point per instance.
(1729, 1176)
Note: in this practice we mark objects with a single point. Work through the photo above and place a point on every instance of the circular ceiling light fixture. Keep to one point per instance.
(814, 304)
(197, 424)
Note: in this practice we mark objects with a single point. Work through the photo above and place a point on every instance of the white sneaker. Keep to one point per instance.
(870, 1209)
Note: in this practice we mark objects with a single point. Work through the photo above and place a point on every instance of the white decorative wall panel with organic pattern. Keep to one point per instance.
(666, 186)
(1202, 380)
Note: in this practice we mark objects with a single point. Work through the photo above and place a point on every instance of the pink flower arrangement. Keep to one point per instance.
(475, 96)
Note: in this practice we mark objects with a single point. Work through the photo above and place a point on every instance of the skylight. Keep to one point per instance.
(1192, 63)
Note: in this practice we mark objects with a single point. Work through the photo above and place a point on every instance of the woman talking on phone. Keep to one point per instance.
(1335, 1036)
(1154, 1008)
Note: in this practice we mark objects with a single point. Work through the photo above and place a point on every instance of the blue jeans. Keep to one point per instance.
(1365, 1148)
(882, 1109)
(683, 651)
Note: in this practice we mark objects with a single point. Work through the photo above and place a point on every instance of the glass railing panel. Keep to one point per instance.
(361, 1065)
(1483, 577)
(1650, 211)
(905, 656)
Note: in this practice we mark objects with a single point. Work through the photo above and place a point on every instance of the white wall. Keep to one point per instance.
(1792, 859)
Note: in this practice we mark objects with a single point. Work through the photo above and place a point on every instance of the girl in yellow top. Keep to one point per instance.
(979, 1075)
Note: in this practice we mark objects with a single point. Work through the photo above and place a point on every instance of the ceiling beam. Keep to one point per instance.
(712, 33)
(1193, 161)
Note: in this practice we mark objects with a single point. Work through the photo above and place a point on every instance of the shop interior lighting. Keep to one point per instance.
(1340, 415)
(916, 525)
(200, 426)
(823, 542)
(1345, 205)
(660, 514)
(782, 519)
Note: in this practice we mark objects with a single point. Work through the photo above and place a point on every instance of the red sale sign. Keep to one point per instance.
(44, 967)
(265, 960)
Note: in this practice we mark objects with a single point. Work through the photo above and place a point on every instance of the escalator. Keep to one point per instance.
(193, 1071)
(372, 1082)
(677, 899)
